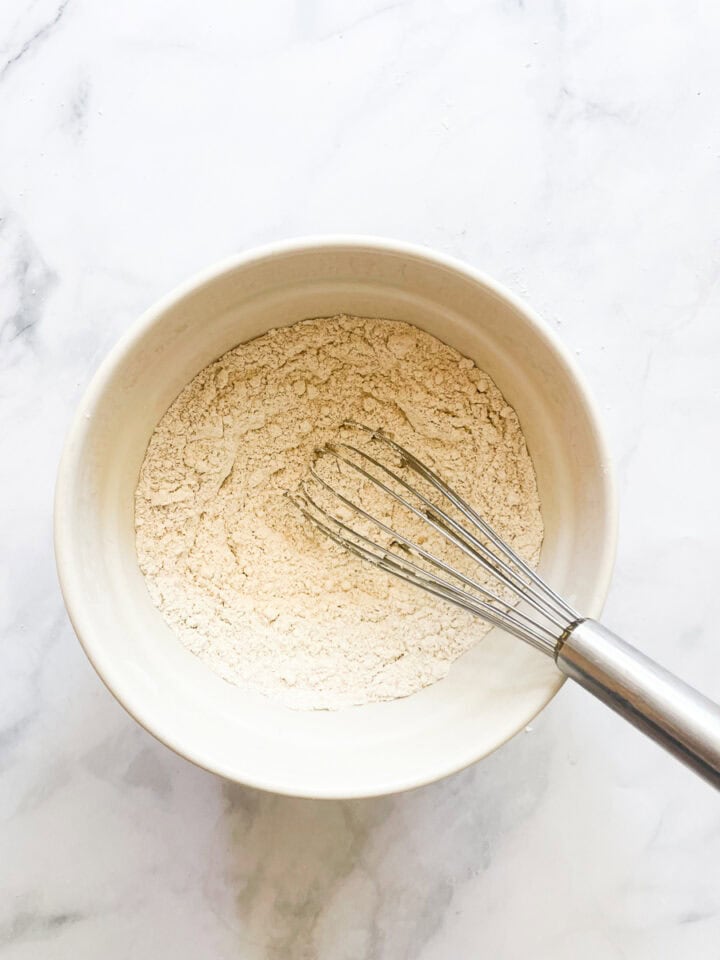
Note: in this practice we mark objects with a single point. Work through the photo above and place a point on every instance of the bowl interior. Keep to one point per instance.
(492, 691)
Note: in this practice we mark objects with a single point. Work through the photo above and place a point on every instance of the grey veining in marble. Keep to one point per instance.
(572, 150)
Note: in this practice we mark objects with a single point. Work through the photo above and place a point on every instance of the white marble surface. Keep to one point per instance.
(572, 150)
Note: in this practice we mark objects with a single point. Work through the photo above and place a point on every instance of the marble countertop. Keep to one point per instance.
(572, 151)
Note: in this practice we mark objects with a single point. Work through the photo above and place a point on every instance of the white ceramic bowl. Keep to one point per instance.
(494, 690)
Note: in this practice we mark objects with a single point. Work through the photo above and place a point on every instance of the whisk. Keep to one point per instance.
(670, 712)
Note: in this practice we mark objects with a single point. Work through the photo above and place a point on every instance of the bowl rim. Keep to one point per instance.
(70, 460)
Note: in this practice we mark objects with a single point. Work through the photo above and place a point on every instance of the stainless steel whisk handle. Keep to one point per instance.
(655, 701)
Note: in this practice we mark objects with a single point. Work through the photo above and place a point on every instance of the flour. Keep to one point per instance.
(245, 582)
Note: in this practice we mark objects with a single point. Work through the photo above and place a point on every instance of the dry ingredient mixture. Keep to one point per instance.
(245, 582)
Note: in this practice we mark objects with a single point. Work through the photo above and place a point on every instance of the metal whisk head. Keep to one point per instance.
(507, 578)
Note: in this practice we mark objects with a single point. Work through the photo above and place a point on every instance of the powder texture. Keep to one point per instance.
(251, 587)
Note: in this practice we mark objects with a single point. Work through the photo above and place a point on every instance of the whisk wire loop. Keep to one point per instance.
(411, 461)
(454, 532)
(407, 569)
(550, 617)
